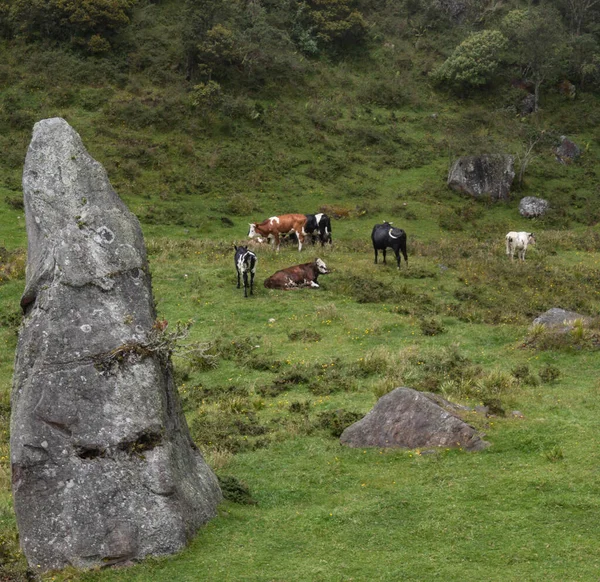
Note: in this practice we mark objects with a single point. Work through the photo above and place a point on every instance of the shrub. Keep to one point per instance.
(473, 63)
(550, 373)
(336, 421)
(431, 326)
(235, 490)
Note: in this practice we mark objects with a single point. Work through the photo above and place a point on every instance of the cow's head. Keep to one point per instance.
(252, 231)
(531, 238)
(322, 267)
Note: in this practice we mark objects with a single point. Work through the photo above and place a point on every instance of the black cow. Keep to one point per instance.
(387, 236)
(321, 224)
(245, 262)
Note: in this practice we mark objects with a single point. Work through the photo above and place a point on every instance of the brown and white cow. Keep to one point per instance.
(272, 227)
(298, 276)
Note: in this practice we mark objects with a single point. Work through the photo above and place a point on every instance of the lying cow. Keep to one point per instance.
(517, 242)
(298, 276)
(245, 262)
(386, 236)
(319, 226)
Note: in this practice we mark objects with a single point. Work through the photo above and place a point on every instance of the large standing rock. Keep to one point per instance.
(103, 466)
(532, 207)
(481, 176)
(410, 419)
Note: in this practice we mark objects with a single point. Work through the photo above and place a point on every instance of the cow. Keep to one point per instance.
(319, 225)
(298, 276)
(517, 242)
(387, 236)
(273, 227)
(245, 262)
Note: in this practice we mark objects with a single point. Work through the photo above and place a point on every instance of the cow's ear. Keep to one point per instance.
(235, 247)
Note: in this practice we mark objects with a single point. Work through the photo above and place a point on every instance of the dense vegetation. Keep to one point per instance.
(208, 114)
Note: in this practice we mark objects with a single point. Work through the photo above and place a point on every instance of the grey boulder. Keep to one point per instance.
(103, 467)
(483, 176)
(560, 318)
(532, 207)
(406, 418)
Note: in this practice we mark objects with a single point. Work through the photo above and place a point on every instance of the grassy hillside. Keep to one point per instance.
(366, 138)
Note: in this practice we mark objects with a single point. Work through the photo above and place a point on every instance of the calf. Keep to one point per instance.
(386, 236)
(518, 242)
(273, 227)
(319, 225)
(298, 276)
(245, 262)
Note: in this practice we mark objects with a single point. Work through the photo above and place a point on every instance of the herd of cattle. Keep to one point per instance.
(318, 227)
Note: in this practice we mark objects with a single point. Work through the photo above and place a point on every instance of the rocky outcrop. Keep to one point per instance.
(483, 176)
(560, 318)
(410, 419)
(532, 207)
(103, 467)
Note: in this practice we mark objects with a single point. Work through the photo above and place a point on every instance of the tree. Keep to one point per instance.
(474, 61)
(580, 12)
(537, 44)
(330, 24)
(83, 22)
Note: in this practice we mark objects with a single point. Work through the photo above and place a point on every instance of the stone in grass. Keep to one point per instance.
(406, 418)
(533, 207)
(557, 318)
(104, 470)
(485, 176)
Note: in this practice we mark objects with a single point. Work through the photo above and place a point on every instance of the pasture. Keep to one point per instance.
(287, 370)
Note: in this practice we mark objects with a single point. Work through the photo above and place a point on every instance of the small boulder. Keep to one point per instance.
(532, 207)
(567, 151)
(557, 317)
(527, 106)
(406, 418)
(482, 176)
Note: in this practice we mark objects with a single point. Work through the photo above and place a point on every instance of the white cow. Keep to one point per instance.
(518, 242)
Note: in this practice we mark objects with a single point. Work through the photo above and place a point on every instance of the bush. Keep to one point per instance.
(473, 62)
(336, 421)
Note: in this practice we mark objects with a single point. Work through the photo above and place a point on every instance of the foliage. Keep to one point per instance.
(537, 44)
(328, 24)
(88, 23)
(474, 62)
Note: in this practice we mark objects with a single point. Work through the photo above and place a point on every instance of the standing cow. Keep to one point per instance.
(245, 262)
(272, 228)
(517, 242)
(319, 225)
(298, 276)
(386, 236)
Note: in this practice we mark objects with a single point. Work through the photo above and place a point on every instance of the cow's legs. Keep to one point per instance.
(375, 256)
(300, 240)
(397, 257)
(238, 275)
(245, 283)
(251, 283)
(384, 253)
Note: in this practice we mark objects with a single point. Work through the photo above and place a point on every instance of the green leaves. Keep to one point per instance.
(474, 62)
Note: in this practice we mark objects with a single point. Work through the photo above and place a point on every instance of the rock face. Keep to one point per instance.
(482, 176)
(103, 467)
(409, 419)
(532, 207)
(559, 318)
